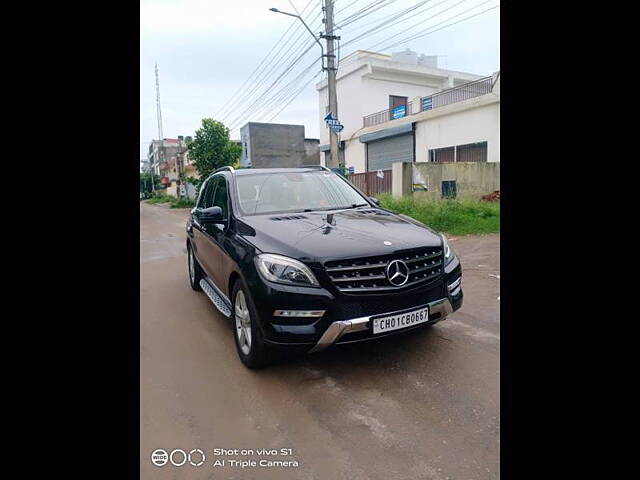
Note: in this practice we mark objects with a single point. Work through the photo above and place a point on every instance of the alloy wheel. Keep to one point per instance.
(192, 269)
(243, 323)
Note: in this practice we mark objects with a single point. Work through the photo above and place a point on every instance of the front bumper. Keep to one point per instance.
(346, 318)
(438, 310)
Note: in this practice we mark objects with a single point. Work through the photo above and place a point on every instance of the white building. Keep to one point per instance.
(402, 107)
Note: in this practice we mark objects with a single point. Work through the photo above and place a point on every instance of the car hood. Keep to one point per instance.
(353, 233)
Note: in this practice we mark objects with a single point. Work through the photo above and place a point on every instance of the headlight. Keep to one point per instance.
(279, 269)
(449, 254)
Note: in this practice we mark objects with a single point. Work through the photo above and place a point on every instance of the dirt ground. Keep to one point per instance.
(423, 406)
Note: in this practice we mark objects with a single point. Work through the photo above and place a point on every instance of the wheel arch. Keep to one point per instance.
(233, 278)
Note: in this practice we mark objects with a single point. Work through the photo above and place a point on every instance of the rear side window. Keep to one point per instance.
(220, 197)
(215, 181)
(206, 199)
(203, 194)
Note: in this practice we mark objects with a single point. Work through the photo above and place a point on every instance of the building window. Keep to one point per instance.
(472, 152)
(396, 101)
(442, 155)
(449, 189)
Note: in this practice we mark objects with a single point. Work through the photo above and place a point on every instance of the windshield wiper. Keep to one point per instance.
(324, 209)
(354, 205)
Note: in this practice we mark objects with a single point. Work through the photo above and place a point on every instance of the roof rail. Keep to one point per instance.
(228, 167)
(321, 167)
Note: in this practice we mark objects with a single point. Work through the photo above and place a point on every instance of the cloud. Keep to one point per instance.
(205, 50)
(193, 17)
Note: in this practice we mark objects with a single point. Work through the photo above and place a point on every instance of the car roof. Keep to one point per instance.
(256, 171)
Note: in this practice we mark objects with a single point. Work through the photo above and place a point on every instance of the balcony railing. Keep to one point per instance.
(460, 93)
(394, 113)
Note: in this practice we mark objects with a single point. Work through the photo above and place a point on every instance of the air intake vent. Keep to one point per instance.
(373, 212)
(290, 217)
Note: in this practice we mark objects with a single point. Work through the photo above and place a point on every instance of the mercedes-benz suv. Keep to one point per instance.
(300, 259)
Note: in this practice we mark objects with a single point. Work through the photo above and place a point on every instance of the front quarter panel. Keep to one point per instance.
(239, 258)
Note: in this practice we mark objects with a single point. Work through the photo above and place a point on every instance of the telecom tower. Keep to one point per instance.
(159, 113)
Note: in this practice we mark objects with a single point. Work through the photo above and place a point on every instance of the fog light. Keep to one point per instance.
(298, 313)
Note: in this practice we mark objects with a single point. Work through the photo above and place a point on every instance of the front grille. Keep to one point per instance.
(367, 275)
(378, 304)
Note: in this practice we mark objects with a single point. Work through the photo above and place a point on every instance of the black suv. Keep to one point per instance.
(301, 259)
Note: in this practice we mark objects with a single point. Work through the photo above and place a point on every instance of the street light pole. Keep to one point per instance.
(305, 26)
(331, 75)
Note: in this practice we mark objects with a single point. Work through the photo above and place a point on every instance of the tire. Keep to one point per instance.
(254, 353)
(193, 269)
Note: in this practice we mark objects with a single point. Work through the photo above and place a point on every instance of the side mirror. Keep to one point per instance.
(210, 215)
(375, 200)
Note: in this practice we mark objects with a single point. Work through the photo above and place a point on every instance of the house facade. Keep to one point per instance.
(276, 145)
(160, 155)
(403, 108)
(167, 159)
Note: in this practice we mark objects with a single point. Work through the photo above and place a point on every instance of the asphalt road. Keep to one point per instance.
(423, 406)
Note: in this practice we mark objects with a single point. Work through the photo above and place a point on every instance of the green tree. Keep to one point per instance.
(211, 148)
(145, 182)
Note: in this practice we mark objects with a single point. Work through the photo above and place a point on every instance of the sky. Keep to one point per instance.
(216, 57)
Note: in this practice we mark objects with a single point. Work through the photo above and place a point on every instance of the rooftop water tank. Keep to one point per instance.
(408, 56)
(428, 60)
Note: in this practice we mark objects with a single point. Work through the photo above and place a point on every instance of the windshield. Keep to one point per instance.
(295, 192)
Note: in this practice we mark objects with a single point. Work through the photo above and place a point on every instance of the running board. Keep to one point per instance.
(215, 297)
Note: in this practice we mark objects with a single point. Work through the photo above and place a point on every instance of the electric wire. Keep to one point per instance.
(380, 29)
(294, 96)
(229, 101)
(280, 58)
(419, 34)
(284, 57)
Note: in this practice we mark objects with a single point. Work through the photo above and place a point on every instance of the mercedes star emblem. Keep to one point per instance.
(397, 273)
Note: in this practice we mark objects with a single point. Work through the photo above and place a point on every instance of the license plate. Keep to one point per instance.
(400, 320)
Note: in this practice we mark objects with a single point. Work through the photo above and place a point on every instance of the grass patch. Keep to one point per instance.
(159, 198)
(183, 203)
(455, 217)
(173, 201)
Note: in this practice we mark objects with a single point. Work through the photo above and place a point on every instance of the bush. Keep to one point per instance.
(161, 197)
(183, 203)
(455, 217)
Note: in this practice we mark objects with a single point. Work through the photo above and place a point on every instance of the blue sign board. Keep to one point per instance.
(398, 112)
(352, 170)
(333, 123)
(427, 103)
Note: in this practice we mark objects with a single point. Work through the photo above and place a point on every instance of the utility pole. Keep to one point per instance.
(179, 168)
(331, 68)
(159, 115)
(334, 161)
